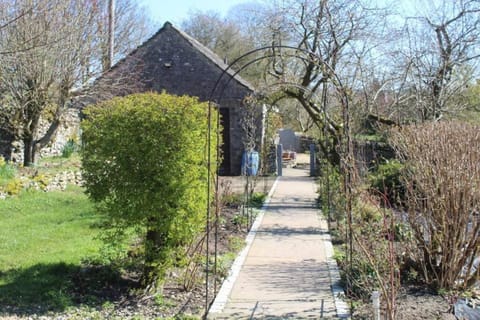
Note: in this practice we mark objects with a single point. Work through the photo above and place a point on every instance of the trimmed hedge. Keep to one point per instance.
(145, 165)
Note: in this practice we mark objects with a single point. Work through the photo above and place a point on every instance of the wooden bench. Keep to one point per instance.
(289, 159)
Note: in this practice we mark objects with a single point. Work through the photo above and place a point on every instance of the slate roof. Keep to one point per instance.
(173, 61)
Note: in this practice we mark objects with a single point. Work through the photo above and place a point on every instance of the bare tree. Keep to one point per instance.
(295, 116)
(457, 40)
(228, 38)
(7, 17)
(321, 74)
(39, 71)
(435, 59)
(221, 36)
(48, 52)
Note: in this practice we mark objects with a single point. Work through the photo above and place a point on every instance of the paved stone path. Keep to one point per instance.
(285, 273)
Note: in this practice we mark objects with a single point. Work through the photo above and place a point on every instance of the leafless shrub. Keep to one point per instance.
(443, 199)
(377, 251)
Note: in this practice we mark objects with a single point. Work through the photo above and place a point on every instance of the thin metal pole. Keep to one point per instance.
(312, 160)
(217, 203)
(111, 32)
(348, 168)
(246, 196)
(327, 145)
(207, 226)
(376, 305)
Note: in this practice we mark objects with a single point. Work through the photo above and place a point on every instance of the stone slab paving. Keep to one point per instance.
(285, 274)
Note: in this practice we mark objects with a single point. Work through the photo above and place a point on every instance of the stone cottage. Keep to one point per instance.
(174, 62)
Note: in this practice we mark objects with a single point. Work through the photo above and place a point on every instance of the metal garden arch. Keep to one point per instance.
(216, 96)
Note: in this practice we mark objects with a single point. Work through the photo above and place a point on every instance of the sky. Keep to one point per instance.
(177, 10)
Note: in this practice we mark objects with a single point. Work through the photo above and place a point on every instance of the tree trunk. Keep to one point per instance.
(28, 150)
(153, 271)
(52, 129)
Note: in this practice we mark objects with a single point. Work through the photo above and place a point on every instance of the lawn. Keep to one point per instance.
(43, 239)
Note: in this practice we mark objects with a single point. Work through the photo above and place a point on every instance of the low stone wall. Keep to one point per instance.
(58, 182)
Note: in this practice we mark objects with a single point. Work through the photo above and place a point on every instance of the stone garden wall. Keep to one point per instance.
(12, 150)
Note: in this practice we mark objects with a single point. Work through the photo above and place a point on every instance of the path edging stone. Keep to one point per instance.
(342, 308)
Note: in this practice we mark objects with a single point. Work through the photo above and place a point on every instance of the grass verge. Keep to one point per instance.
(43, 239)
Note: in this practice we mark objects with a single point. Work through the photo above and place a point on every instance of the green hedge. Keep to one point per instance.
(145, 165)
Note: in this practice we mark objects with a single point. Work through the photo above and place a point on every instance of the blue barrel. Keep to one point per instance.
(250, 162)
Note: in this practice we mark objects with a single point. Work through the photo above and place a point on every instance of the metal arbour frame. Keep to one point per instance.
(215, 100)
